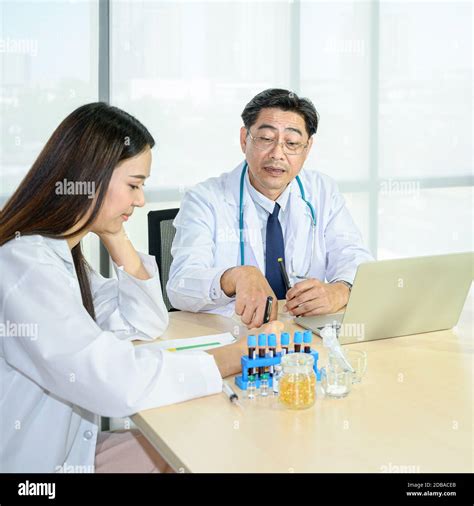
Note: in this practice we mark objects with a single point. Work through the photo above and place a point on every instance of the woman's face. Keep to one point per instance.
(125, 192)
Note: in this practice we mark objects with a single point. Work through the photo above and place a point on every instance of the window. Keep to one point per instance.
(395, 100)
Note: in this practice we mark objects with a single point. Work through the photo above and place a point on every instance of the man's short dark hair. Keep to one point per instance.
(286, 101)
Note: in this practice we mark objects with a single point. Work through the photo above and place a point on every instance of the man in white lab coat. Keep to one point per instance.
(232, 229)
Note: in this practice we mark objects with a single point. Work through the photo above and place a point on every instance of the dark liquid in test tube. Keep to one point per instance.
(272, 342)
(252, 351)
(307, 336)
(262, 344)
(285, 342)
(297, 339)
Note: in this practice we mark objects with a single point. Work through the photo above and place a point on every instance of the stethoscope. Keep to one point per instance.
(241, 222)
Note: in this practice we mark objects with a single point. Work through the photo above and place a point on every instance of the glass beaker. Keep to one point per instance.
(335, 381)
(358, 361)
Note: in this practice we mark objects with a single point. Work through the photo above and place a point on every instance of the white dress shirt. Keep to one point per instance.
(60, 369)
(265, 206)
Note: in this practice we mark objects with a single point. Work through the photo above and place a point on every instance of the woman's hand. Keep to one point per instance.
(123, 253)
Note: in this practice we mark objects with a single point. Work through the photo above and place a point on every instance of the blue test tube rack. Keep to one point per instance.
(247, 363)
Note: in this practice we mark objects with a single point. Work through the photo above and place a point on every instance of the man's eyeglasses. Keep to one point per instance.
(264, 143)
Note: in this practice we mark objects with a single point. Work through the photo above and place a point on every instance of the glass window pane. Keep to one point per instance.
(417, 222)
(191, 83)
(48, 67)
(335, 57)
(358, 205)
(425, 89)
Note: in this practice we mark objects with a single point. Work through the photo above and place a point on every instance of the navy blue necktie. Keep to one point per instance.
(275, 249)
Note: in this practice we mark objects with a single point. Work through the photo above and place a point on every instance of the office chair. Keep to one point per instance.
(160, 238)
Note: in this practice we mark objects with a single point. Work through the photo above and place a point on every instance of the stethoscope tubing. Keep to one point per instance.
(241, 218)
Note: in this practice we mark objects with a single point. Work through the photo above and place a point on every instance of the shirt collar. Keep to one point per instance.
(265, 202)
(60, 247)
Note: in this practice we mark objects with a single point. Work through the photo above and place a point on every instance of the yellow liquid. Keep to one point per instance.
(297, 391)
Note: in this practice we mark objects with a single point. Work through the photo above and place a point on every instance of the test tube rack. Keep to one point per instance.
(247, 363)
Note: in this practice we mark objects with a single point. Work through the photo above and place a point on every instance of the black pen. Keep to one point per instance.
(284, 275)
(268, 309)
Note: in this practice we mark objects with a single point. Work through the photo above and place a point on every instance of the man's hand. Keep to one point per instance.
(313, 297)
(251, 290)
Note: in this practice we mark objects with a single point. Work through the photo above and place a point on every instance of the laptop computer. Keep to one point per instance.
(392, 298)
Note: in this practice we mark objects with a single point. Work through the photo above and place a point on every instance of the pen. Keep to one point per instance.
(233, 397)
(284, 275)
(268, 309)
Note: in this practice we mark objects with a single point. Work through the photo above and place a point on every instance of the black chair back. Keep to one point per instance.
(160, 238)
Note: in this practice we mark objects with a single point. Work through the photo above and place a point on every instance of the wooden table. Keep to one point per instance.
(412, 412)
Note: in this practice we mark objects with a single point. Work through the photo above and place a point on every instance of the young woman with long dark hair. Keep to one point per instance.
(66, 355)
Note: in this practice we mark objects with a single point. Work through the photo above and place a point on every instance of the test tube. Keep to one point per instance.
(276, 379)
(307, 337)
(297, 340)
(264, 385)
(285, 341)
(251, 387)
(262, 346)
(272, 342)
(252, 344)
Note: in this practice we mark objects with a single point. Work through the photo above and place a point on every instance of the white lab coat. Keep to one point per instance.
(66, 368)
(207, 238)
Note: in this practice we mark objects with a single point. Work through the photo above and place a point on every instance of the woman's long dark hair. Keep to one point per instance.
(86, 147)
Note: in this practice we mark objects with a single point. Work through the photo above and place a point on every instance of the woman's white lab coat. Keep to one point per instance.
(207, 238)
(65, 369)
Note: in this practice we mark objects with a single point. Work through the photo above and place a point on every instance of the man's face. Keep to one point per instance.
(271, 169)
